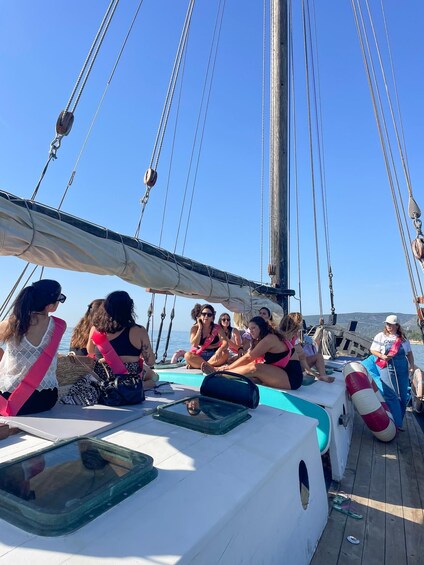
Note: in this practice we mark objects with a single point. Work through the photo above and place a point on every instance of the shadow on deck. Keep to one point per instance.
(386, 484)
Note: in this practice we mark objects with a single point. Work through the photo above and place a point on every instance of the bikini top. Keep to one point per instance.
(273, 358)
(123, 346)
(213, 342)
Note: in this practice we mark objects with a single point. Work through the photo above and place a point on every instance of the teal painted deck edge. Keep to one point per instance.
(271, 397)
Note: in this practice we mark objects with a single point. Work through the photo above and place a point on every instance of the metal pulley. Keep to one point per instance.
(418, 248)
(413, 209)
(64, 123)
(271, 270)
(150, 177)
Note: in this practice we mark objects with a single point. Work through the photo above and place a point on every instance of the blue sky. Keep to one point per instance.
(42, 47)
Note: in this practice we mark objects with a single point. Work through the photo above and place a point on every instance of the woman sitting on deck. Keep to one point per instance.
(208, 342)
(272, 359)
(309, 355)
(32, 338)
(130, 341)
(233, 336)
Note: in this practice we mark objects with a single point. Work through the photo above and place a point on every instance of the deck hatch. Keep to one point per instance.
(60, 488)
(203, 414)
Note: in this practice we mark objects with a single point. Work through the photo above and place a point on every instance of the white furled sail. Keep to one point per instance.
(48, 237)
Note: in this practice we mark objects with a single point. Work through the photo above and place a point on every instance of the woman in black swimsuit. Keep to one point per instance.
(271, 360)
(130, 341)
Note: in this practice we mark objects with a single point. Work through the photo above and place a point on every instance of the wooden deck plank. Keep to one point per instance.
(386, 482)
(375, 528)
(411, 502)
(395, 548)
(353, 553)
(328, 550)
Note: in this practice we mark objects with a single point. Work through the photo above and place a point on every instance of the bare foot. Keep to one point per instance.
(206, 368)
(326, 378)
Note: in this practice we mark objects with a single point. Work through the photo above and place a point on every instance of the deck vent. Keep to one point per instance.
(58, 489)
(203, 414)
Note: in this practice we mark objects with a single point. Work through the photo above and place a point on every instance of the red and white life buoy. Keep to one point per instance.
(368, 401)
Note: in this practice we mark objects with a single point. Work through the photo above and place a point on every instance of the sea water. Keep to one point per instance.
(180, 340)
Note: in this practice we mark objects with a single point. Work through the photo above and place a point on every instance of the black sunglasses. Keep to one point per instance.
(61, 298)
(225, 319)
(208, 314)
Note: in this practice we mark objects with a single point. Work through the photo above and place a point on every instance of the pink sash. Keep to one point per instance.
(35, 374)
(199, 350)
(106, 349)
(393, 351)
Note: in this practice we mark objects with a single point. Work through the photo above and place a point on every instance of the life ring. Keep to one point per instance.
(369, 401)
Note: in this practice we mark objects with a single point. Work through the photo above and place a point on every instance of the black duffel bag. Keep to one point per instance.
(224, 385)
(121, 391)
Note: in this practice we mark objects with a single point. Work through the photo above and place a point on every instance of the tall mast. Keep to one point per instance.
(279, 149)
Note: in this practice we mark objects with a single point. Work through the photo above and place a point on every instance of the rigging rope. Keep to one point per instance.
(294, 130)
(311, 154)
(261, 228)
(150, 176)
(93, 52)
(386, 145)
(66, 117)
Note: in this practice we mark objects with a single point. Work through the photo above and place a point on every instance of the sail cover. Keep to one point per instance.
(51, 238)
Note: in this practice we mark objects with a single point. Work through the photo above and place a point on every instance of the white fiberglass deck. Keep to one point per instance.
(334, 398)
(217, 499)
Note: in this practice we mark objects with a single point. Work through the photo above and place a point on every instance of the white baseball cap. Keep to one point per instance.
(392, 319)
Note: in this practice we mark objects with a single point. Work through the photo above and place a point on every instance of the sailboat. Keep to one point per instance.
(57, 238)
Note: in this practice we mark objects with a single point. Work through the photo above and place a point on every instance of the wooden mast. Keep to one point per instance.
(279, 268)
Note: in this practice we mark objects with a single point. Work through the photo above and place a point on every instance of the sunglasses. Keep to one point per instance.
(225, 319)
(208, 314)
(61, 298)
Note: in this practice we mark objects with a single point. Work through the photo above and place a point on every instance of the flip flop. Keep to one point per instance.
(348, 510)
(341, 499)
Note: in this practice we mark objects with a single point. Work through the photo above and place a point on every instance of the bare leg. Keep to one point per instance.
(219, 358)
(268, 375)
(318, 361)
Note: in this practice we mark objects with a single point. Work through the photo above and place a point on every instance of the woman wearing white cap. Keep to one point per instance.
(394, 359)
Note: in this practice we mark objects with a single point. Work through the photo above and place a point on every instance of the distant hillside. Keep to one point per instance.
(369, 324)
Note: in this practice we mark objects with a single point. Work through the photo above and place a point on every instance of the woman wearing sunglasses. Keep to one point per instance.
(208, 342)
(235, 347)
(32, 338)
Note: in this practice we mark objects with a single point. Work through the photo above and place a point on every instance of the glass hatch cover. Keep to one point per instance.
(60, 488)
(203, 414)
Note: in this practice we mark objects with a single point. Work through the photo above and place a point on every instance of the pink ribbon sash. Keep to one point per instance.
(106, 349)
(35, 374)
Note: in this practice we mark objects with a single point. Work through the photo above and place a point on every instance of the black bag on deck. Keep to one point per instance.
(123, 390)
(224, 385)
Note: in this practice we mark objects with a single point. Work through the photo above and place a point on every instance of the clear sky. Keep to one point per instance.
(42, 47)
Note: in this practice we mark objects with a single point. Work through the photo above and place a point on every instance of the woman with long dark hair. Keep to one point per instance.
(235, 347)
(271, 360)
(208, 342)
(32, 339)
(116, 318)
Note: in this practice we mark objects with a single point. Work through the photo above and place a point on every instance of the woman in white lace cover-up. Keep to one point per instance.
(26, 334)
